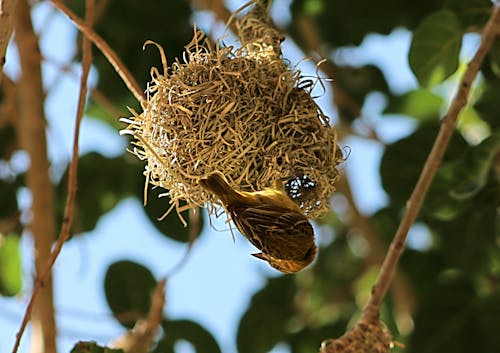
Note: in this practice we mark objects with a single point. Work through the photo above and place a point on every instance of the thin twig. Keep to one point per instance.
(109, 53)
(140, 338)
(430, 167)
(72, 179)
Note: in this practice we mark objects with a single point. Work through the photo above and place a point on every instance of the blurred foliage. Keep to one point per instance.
(452, 283)
(347, 23)
(128, 287)
(435, 47)
(93, 347)
(188, 331)
(171, 226)
(10, 265)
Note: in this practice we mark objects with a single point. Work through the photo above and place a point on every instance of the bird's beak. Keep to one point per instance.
(261, 256)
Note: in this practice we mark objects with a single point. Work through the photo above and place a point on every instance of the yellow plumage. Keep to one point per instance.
(271, 221)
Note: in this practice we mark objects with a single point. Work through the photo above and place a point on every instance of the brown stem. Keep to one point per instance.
(140, 339)
(430, 167)
(109, 53)
(32, 137)
(6, 25)
(45, 266)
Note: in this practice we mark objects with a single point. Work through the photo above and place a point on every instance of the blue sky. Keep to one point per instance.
(207, 290)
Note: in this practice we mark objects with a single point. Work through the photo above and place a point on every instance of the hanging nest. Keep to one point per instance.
(242, 112)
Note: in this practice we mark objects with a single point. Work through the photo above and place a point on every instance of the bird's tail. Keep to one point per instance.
(217, 184)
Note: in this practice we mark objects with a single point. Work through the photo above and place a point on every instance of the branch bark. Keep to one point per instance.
(490, 31)
(31, 133)
(45, 269)
(109, 53)
(6, 26)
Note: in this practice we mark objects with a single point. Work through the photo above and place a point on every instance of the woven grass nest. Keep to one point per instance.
(242, 112)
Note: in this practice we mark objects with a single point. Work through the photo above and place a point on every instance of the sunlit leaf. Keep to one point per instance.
(420, 104)
(10, 265)
(472, 126)
(128, 287)
(435, 47)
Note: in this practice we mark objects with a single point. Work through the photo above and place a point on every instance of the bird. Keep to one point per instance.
(270, 220)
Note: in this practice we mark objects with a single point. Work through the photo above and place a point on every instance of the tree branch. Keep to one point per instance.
(140, 338)
(490, 31)
(44, 268)
(31, 131)
(6, 25)
(109, 53)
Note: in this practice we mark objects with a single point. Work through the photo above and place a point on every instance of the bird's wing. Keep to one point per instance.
(276, 231)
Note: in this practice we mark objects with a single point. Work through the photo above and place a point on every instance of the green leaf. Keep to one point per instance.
(112, 118)
(307, 340)
(417, 265)
(472, 13)
(495, 57)
(439, 202)
(92, 347)
(128, 287)
(7, 137)
(472, 126)
(185, 330)
(264, 323)
(10, 265)
(453, 318)
(466, 242)
(169, 24)
(8, 195)
(477, 166)
(102, 183)
(487, 105)
(403, 160)
(337, 26)
(358, 82)
(420, 104)
(435, 48)
(170, 226)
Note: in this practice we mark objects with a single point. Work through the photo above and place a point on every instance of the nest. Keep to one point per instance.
(242, 112)
(367, 336)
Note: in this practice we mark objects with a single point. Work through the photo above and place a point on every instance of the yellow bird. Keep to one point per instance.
(271, 221)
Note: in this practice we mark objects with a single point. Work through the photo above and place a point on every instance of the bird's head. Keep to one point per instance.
(289, 266)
